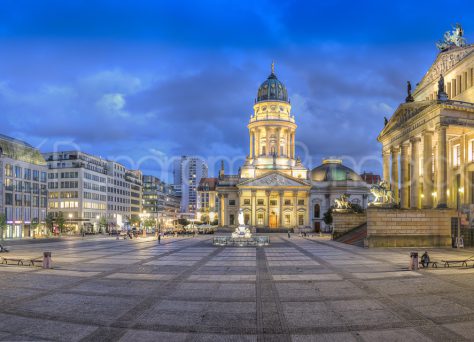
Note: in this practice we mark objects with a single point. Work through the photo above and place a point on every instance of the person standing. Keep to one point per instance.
(159, 238)
(289, 236)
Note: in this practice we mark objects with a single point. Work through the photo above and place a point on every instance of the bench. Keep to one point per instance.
(447, 263)
(36, 260)
(23, 262)
(15, 260)
(434, 264)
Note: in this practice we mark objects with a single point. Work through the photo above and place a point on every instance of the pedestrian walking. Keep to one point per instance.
(159, 238)
(289, 236)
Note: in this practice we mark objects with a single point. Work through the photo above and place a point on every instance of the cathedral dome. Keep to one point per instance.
(332, 170)
(272, 89)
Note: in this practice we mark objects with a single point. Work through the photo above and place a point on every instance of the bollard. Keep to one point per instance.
(47, 260)
(413, 261)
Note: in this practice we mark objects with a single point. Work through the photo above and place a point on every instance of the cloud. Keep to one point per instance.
(112, 104)
(162, 80)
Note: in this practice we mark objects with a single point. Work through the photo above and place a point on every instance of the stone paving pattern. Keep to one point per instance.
(188, 290)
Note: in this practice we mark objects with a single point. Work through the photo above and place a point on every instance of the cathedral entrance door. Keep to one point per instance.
(273, 221)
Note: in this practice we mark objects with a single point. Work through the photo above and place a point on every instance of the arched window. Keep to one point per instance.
(316, 210)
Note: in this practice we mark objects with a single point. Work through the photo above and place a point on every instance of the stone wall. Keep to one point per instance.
(409, 227)
(345, 221)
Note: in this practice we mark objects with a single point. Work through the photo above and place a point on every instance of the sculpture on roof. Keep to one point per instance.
(442, 96)
(409, 97)
(453, 38)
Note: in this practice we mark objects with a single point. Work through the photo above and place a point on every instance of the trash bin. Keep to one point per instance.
(47, 260)
(413, 261)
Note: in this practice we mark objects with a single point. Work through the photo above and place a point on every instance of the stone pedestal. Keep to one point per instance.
(409, 227)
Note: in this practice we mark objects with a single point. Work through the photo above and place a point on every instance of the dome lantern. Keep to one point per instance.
(272, 89)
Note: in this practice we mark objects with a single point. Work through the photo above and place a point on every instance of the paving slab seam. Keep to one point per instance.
(431, 273)
(402, 311)
(265, 283)
(123, 321)
(103, 274)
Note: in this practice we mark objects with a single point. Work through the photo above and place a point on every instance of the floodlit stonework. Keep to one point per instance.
(272, 187)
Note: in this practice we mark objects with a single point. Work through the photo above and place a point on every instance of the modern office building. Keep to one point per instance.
(124, 194)
(88, 190)
(187, 173)
(77, 184)
(134, 179)
(160, 201)
(23, 188)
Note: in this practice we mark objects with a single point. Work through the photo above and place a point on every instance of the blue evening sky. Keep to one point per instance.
(146, 81)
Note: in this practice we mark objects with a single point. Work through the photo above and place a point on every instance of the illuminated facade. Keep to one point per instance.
(207, 203)
(23, 188)
(272, 188)
(330, 181)
(428, 143)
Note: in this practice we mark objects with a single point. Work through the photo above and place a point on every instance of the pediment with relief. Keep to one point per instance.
(273, 179)
(404, 113)
(444, 63)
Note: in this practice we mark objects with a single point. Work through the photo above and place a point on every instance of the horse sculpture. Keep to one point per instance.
(382, 193)
(454, 38)
(342, 203)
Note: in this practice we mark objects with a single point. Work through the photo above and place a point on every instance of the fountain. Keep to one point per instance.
(241, 236)
(242, 231)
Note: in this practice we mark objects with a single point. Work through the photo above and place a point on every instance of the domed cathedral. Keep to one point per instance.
(272, 187)
(330, 181)
(428, 143)
(272, 131)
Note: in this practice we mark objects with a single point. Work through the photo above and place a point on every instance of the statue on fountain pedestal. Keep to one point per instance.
(242, 230)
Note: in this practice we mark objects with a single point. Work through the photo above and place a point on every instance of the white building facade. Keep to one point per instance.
(93, 194)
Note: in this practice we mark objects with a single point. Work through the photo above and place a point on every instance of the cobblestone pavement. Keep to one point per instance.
(187, 290)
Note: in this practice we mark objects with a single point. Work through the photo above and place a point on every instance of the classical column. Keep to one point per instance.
(257, 143)
(394, 176)
(278, 141)
(267, 140)
(253, 208)
(386, 166)
(267, 217)
(415, 172)
(224, 207)
(221, 223)
(405, 179)
(442, 168)
(293, 145)
(295, 207)
(427, 169)
(280, 220)
(251, 143)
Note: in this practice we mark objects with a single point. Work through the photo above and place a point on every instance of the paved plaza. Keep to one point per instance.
(188, 290)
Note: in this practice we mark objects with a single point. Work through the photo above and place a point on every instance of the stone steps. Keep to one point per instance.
(355, 237)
